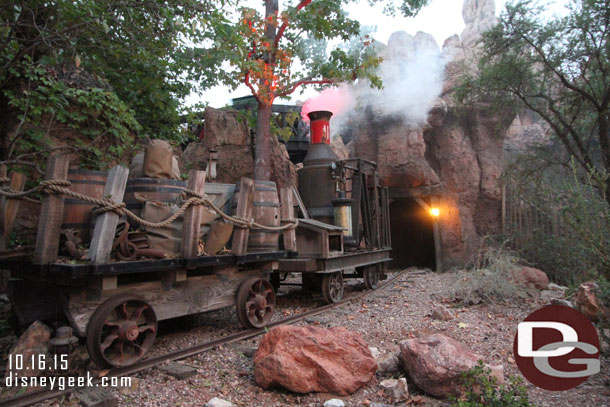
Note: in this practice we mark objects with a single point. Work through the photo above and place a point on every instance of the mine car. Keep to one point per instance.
(112, 258)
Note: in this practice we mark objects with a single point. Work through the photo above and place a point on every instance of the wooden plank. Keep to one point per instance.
(297, 197)
(375, 208)
(191, 227)
(105, 224)
(287, 214)
(428, 190)
(367, 221)
(356, 197)
(199, 293)
(503, 209)
(10, 207)
(245, 201)
(51, 213)
(437, 236)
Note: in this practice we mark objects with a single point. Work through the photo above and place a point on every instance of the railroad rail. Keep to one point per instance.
(38, 396)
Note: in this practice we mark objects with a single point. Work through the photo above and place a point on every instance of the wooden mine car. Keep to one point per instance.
(115, 304)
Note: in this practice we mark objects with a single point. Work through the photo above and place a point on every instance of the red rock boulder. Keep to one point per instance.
(530, 277)
(307, 359)
(435, 363)
(587, 302)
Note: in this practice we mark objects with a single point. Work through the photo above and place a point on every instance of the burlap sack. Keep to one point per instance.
(169, 238)
(136, 167)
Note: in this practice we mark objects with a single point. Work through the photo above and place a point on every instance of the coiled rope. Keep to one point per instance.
(58, 186)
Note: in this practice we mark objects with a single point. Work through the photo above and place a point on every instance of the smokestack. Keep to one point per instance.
(319, 126)
(316, 182)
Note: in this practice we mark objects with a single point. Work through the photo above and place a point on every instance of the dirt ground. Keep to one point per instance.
(384, 317)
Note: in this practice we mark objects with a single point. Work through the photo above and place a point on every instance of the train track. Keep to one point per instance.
(38, 396)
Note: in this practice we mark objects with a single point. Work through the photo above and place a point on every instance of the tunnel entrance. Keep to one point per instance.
(412, 234)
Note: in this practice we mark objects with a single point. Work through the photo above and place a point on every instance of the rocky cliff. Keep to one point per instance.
(460, 149)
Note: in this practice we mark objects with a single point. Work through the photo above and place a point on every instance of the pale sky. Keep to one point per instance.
(441, 19)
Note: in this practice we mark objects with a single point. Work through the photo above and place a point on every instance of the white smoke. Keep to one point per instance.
(412, 72)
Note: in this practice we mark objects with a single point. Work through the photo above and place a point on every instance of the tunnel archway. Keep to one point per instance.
(412, 234)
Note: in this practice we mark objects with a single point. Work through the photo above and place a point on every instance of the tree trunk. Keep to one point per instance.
(262, 150)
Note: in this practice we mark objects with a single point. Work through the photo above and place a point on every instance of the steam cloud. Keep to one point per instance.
(412, 72)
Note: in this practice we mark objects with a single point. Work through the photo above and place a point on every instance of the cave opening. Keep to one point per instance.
(412, 234)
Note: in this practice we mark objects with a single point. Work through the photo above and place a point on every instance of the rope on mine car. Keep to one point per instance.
(57, 186)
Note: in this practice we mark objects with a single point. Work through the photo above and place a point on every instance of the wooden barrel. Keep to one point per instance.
(78, 214)
(154, 189)
(266, 211)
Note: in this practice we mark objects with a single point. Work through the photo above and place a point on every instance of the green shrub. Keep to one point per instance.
(483, 390)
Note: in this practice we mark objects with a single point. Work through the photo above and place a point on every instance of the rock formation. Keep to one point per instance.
(226, 133)
(307, 359)
(460, 149)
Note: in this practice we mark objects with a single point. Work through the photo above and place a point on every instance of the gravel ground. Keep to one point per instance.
(384, 317)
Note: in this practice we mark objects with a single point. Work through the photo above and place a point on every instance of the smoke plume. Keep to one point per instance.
(412, 72)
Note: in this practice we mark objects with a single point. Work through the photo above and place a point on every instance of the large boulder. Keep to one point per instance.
(436, 363)
(311, 359)
(227, 133)
(32, 343)
(530, 277)
(587, 302)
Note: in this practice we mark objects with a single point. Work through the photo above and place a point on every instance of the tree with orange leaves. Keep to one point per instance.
(276, 53)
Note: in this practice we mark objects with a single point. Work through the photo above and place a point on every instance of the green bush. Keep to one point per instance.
(483, 390)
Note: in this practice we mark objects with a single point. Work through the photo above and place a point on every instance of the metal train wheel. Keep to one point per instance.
(121, 331)
(332, 287)
(255, 303)
(372, 275)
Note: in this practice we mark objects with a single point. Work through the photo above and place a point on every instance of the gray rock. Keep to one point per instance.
(561, 301)
(247, 351)
(442, 314)
(96, 397)
(557, 287)
(334, 403)
(389, 364)
(178, 370)
(374, 352)
(216, 402)
(395, 389)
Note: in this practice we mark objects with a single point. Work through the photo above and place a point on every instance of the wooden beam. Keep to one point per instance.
(428, 190)
(423, 204)
(10, 207)
(245, 200)
(287, 214)
(302, 207)
(105, 224)
(51, 213)
(191, 227)
(437, 237)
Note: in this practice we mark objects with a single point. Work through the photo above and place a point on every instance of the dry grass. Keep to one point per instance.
(488, 278)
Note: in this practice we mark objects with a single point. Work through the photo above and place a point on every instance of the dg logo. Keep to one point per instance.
(557, 348)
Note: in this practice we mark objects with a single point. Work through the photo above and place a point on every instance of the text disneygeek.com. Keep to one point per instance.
(63, 382)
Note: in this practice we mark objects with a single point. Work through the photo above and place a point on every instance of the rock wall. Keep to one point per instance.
(229, 135)
(462, 149)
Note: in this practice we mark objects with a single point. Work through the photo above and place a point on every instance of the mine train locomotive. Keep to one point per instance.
(338, 228)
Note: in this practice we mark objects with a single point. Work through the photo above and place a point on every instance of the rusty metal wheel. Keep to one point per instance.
(121, 331)
(372, 275)
(255, 303)
(332, 287)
